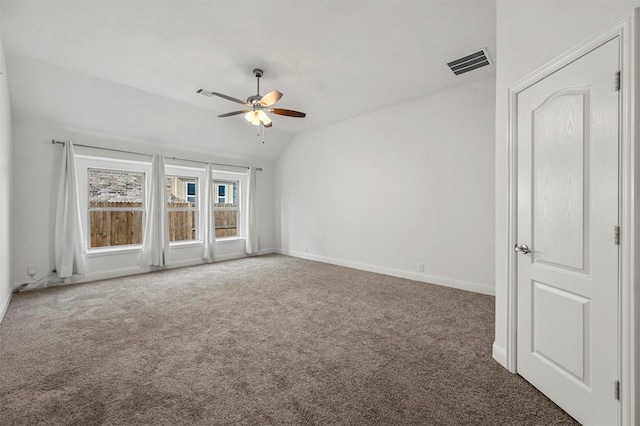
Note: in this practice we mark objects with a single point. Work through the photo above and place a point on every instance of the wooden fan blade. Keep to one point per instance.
(229, 98)
(229, 114)
(287, 112)
(270, 98)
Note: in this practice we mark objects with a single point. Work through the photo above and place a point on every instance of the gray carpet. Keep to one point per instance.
(269, 340)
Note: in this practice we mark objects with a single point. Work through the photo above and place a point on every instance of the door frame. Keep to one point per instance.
(629, 208)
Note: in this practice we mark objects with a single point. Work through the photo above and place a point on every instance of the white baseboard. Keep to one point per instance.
(3, 309)
(475, 287)
(194, 262)
(416, 276)
(105, 275)
(117, 273)
(230, 256)
(500, 355)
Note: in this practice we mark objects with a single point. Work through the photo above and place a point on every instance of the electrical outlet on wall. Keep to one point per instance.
(421, 267)
(32, 271)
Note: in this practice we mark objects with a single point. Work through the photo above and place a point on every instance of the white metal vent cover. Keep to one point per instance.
(470, 62)
(204, 92)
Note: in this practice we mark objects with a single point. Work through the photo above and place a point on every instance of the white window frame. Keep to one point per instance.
(241, 178)
(86, 162)
(199, 174)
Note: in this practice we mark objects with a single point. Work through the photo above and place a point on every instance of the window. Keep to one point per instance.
(116, 207)
(112, 192)
(221, 192)
(182, 207)
(226, 192)
(191, 192)
(183, 185)
(228, 212)
(114, 196)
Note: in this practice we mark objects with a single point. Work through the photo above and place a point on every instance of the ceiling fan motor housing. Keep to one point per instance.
(254, 100)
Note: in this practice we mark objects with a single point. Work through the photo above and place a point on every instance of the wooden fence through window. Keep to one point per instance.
(116, 228)
(226, 223)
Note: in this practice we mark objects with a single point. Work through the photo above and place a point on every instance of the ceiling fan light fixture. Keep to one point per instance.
(253, 117)
(264, 118)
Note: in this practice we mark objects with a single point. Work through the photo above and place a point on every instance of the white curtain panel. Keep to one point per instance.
(69, 243)
(251, 244)
(155, 242)
(209, 229)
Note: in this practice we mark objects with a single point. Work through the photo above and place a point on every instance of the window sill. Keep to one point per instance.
(230, 240)
(110, 251)
(185, 244)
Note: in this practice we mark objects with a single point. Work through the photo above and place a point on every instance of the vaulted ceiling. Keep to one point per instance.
(331, 59)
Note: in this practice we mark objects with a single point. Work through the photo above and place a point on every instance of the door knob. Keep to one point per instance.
(522, 248)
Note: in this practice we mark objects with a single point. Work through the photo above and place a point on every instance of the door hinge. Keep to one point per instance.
(617, 81)
(616, 235)
(617, 390)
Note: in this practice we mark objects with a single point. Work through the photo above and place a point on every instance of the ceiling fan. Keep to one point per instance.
(257, 105)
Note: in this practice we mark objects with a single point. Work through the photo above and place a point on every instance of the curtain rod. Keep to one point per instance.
(53, 141)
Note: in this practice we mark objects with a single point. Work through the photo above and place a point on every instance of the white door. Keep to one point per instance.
(567, 285)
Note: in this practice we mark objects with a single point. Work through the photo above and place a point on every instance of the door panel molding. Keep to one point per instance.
(629, 209)
(573, 358)
(573, 103)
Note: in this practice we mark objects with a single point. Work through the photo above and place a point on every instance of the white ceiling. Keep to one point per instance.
(332, 59)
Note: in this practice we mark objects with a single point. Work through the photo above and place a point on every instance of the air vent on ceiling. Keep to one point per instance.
(204, 92)
(470, 62)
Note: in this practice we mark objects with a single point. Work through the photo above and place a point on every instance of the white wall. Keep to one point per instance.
(530, 34)
(5, 188)
(50, 102)
(406, 185)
